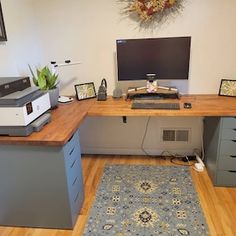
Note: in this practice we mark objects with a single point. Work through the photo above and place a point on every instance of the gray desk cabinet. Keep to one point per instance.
(41, 186)
(220, 150)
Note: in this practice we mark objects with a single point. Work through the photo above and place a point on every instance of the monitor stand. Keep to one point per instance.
(160, 92)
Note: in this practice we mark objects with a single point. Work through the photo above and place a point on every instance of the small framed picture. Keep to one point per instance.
(85, 91)
(227, 88)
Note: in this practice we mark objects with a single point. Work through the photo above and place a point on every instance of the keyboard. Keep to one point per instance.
(153, 96)
(137, 104)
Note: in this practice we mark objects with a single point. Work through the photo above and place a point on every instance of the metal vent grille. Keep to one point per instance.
(182, 135)
(175, 135)
(168, 135)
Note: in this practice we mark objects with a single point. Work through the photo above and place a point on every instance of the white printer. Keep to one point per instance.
(22, 107)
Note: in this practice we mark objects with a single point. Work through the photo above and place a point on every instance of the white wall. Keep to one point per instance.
(86, 30)
(23, 45)
(41, 31)
(109, 135)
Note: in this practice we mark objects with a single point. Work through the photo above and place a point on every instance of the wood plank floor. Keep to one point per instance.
(219, 204)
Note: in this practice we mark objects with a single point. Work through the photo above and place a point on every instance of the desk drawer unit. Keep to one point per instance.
(220, 150)
(41, 186)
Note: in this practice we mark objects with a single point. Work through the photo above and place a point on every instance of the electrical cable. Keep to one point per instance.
(176, 155)
(200, 152)
(202, 143)
(181, 164)
(144, 137)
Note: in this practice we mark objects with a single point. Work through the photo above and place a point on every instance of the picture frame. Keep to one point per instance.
(3, 35)
(227, 88)
(85, 91)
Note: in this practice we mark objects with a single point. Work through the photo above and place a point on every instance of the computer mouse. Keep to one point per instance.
(187, 105)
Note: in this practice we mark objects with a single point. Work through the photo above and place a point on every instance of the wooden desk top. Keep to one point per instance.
(67, 117)
(65, 121)
(202, 105)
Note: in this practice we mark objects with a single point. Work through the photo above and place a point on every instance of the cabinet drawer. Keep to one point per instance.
(73, 141)
(75, 187)
(228, 134)
(227, 162)
(76, 194)
(79, 201)
(226, 178)
(72, 156)
(72, 151)
(227, 147)
(74, 170)
(229, 122)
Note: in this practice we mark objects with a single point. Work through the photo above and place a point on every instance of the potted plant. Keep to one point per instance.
(47, 81)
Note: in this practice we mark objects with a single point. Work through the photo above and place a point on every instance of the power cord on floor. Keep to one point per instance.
(177, 156)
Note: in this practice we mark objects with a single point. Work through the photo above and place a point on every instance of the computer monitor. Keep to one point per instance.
(168, 58)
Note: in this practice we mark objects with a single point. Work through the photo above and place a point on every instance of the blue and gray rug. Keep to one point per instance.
(138, 200)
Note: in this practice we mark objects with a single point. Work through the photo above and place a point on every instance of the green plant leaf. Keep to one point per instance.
(45, 79)
(33, 76)
(42, 81)
(35, 81)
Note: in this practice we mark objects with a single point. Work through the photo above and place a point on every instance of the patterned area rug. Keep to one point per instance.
(140, 200)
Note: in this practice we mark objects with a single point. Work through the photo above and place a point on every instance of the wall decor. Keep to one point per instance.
(3, 36)
(149, 11)
(227, 88)
(85, 91)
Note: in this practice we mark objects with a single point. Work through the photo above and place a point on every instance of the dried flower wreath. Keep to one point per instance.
(149, 10)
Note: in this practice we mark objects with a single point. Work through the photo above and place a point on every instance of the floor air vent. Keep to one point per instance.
(175, 135)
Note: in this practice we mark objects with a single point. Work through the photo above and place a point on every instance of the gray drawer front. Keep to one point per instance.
(72, 156)
(227, 147)
(76, 194)
(226, 178)
(229, 122)
(76, 206)
(228, 134)
(74, 140)
(74, 171)
(79, 201)
(227, 162)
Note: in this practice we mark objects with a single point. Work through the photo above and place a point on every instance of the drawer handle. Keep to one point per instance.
(232, 171)
(73, 163)
(77, 195)
(234, 141)
(70, 138)
(75, 181)
(232, 156)
(71, 151)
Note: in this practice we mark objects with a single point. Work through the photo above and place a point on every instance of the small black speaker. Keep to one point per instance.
(117, 93)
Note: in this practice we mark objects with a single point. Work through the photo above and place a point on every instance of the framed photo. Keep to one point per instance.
(3, 35)
(227, 88)
(85, 91)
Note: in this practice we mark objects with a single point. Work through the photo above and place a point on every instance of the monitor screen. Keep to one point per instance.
(168, 58)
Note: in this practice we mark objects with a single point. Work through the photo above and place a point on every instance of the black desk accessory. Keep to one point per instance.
(187, 105)
(137, 104)
(102, 91)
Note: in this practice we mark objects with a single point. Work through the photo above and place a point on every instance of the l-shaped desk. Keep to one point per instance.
(41, 182)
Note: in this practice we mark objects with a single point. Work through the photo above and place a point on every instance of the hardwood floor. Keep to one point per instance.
(218, 204)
